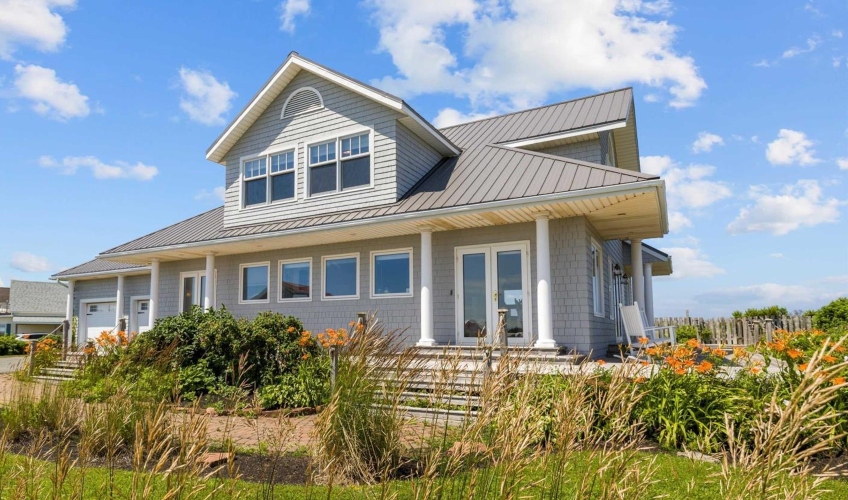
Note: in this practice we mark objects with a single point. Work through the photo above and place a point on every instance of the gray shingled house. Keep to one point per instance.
(36, 306)
(340, 198)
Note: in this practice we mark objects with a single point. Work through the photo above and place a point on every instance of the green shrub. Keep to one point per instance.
(765, 312)
(686, 332)
(10, 346)
(833, 315)
(308, 387)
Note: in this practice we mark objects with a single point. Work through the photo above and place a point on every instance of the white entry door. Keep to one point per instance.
(142, 316)
(99, 317)
(489, 278)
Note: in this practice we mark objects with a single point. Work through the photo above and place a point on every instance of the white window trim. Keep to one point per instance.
(197, 275)
(241, 282)
(610, 289)
(337, 137)
(267, 154)
(280, 263)
(289, 98)
(374, 254)
(598, 288)
(324, 260)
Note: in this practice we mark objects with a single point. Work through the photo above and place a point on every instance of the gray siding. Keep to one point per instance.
(584, 150)
(414, 159)
(343, 109)
(107, 288)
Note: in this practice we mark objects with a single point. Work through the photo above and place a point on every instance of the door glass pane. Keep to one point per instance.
(188, 293)
(474, 295)
(296, 280)
(510, 291)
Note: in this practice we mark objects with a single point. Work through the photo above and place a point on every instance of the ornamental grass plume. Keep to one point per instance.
(773, 461)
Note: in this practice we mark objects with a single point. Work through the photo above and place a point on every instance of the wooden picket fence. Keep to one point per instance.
(738, 331)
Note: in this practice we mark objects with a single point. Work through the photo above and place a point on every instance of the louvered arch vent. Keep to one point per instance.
(302, 100)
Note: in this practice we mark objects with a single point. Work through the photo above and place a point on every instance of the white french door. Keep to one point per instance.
(489, 278)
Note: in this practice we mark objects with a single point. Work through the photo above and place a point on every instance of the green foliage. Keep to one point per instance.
(309, 386)
(832, 316)
(10, 346)
(686, 332)
(765, 312)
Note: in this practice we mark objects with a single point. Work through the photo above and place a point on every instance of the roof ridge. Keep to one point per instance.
(585, 163)
(538, 107)
(160, 230)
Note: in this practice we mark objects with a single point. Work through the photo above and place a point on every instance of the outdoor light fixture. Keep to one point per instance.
(616, 270)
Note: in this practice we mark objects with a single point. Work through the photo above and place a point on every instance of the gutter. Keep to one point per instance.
(637, 187)
(101, 274)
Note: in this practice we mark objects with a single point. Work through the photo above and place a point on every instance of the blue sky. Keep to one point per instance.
(107, 108)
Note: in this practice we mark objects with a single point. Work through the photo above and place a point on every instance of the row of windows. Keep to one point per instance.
(391, 276)
(327, 172)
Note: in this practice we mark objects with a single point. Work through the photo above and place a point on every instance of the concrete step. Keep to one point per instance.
(52, 380)
(58, 372)
(68, 364)
(446, 399)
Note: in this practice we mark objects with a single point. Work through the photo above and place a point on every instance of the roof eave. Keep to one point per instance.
(102, 274)
(629, 188)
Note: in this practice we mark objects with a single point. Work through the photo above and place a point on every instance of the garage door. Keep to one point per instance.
(99, 316)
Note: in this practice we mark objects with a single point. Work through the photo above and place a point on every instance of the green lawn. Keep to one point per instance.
(674, 477)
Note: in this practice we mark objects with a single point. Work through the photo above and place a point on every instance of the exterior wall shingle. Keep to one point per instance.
(584, 150)
(414, 159)
(343, 111)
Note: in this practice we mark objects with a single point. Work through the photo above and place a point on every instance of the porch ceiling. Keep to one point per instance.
(635, 213)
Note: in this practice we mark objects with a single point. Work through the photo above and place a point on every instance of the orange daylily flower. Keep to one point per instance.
(601, 362)
(643, 340)
(802, 367)
(828, 358)
(756, 369)
(794, 353)
(704, 366)
(838, 380)
(640, 380)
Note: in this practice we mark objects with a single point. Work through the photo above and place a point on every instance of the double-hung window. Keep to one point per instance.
(295, 280)
(341, 277)
(595, 253)
(391, 273)
(340, 164)
(263, 185)
(254, 282)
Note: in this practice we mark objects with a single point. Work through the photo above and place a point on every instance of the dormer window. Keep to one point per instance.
(351, 168)
(263, 185)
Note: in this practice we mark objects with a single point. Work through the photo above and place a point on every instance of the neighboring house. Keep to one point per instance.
(36, 306)
(341, 199)
(5, 315)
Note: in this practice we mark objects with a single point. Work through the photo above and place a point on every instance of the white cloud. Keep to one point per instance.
(843, 163)
(836, 33)
(791, 147)
(691, 262)
(29, 263)
(795, 206)
(766, 294)
(216, 194)
(687, 187)
(652, 98)
(677, 221)
(32, 23)
(514, 54)
(776, 255)
(812, 43)
(204, 98)
(50, 96)
(449, 116)
(762, 64)
(289, 11)
(120, 170)
(705, 142)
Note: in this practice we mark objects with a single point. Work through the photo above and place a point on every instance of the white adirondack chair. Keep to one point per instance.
(636, 327)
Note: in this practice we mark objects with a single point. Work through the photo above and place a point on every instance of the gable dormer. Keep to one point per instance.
(315, 142)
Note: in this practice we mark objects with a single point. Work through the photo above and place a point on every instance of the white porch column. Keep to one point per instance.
(69, 307)
(154, 291)
(649, 293)
(427, 337)
(210, 281)
(544, 308)
(637, 269)
(119, 300)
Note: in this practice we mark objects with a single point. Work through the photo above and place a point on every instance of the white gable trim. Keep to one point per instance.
(565, 135)
(278, 82)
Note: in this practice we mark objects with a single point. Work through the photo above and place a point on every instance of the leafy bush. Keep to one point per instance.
(765, 312)
(833, 315)
(10, 346)
(308, 387)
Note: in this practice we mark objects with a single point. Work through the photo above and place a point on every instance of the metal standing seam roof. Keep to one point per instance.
(37, 298)
(609, 107)
(97, 266)
(456, 182)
